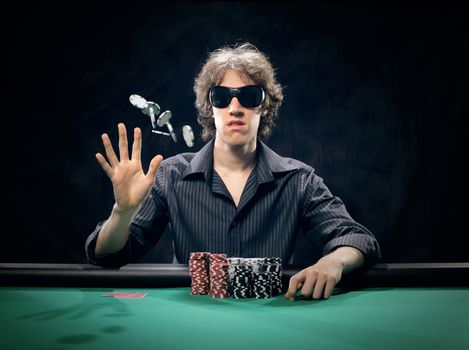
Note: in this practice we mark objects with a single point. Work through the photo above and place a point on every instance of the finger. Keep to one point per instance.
(137, 144)
(154, 165)
(330, 285)
(105, 165)
(111, 156)
(319, 287)
(309, 285)
(123, 145)
(294, 283)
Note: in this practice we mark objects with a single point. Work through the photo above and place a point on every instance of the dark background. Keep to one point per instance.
(376, 99)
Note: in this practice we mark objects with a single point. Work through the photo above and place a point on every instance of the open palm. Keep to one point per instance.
(130, 184)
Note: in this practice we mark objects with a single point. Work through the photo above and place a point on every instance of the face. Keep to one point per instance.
(236, 125)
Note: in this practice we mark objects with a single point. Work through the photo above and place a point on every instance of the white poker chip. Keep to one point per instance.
(138, 101)
(188, 135)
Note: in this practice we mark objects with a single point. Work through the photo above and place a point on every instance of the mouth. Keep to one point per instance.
(236, 123)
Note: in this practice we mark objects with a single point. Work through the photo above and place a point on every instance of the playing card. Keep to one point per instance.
(125, 295)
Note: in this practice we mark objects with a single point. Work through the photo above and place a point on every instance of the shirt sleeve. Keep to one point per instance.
(327, 223)
(146, 229)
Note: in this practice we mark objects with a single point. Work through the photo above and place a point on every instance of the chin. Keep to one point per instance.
(239, 141)
(236, 139)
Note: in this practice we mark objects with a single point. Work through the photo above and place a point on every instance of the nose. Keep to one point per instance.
(235, 107)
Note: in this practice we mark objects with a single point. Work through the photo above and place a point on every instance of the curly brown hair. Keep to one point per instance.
(251, 63)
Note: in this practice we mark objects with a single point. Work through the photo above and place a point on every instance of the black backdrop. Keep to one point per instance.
(376, 99)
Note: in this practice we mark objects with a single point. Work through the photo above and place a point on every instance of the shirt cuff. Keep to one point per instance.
(117, 259)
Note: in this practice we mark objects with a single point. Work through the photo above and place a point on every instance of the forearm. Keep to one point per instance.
(114, 233)
(349, 258)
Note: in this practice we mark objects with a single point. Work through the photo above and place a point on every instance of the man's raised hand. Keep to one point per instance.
(131, 185)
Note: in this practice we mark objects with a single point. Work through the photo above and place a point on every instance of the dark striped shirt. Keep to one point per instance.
(282, 198)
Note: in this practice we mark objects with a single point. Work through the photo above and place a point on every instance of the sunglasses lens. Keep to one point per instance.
(220, 96)
(249, 96)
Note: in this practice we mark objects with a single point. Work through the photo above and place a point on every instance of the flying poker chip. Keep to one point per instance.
(188, 135)
(164, 118)
(138, 101)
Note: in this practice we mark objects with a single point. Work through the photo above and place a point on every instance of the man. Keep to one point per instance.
(234, 196)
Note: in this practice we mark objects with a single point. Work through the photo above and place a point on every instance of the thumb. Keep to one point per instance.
(154, 165)
(296, 282)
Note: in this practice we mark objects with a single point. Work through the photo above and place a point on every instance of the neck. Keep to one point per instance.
(233, 158)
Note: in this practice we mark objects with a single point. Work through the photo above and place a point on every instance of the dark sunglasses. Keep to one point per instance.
(249, 96)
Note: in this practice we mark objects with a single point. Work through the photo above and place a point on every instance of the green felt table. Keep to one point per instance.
(73, 317)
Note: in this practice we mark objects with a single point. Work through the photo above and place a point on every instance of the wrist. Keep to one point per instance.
(349, 257)
(123, 212)
(334, 258)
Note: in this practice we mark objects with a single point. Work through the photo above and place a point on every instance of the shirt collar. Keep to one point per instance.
(202, 163)
(268, 163)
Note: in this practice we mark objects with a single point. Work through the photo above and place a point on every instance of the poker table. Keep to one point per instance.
(386, 306)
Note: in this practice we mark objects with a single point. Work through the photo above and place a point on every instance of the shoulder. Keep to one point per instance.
(280, 164)
(304, 173)
(302, 167)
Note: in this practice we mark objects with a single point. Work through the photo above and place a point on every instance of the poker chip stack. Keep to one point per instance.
(199, 271)
(256, 263)
(267, 276)
(261, 285)
(237, 277)
(218, 268)
(241, 284)
(274, 267)
(232, 262)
